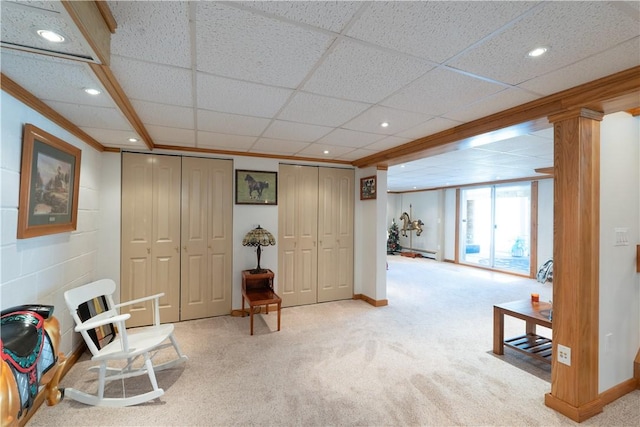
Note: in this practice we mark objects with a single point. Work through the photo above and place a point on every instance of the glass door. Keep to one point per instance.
(495, 226)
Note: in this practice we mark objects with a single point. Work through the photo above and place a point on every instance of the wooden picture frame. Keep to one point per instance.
(368, 188)
(256, 187)
(49, 184)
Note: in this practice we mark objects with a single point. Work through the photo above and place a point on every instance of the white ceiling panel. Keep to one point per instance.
(115, 138)
(358, 153)
(371, 120)
(91, 116)
(362, 73)
(278, 146)
(622, 57)
(219, 141)
(387, 142)
(158, 83)
(164, 115)
(572, 31)
(318, 150)
(433, 30)
(54, 78)
(295, 131)
(249, 46)
(429, 127)
(441, 90)
(329, 15)
(321, 110)
(491, 104)
(350, 138)
(172, 136)
(141, 24)
(224, 123)
(236, 97)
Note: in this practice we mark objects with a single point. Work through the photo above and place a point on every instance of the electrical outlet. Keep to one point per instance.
(564, 354)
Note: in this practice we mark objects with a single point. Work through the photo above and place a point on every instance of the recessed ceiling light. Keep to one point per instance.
(384, 124)
(537, 52)
(326, 151)
(133, 139)
(401, 166)
(51, 36)
(92, 91)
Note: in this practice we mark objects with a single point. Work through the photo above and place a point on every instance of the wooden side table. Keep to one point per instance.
(257, 290)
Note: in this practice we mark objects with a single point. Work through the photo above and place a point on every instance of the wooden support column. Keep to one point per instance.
(576, 245)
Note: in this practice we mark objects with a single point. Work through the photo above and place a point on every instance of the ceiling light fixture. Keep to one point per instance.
(92, 91)
(133, 139)
(51, 36)
(326, 151)
(384, 124)
(537, 52)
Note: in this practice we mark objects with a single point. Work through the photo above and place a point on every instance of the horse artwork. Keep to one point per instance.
(256, 186)
(408, 225)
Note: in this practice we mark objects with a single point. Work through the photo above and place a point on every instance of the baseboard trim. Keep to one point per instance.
(616, 392)
(41, 396)
(373, 302)
(577, 414)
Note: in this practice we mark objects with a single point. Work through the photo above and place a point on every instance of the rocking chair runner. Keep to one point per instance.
(125, 348)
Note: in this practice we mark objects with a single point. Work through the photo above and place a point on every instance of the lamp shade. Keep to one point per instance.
(258, 237)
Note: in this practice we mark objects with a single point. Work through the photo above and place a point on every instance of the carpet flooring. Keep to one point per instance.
(423, 360)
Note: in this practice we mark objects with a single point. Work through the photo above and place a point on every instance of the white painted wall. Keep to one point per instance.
(40, 269)
(619, 283)
(449, 215)
(428, 207)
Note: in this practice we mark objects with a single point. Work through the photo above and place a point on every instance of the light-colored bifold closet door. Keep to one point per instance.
(207, 238)
(335, 234)
(150, 235)
(297, 235)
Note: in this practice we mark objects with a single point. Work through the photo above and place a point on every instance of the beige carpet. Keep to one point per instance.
(423, 360)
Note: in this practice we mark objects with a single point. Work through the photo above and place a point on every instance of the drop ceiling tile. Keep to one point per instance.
(321, 110)
(164, 115)
(278, 146)
(151, 82)
(295, 131)
(220, 141)
(519, 143)
(232, 124)
(172, 136)
(387, 143)
(50, 78)
(622, 57)
(441, 90)
(491, 104)
(429, 127)
(433, 30)
(90, 116)
(363, 73)
(115, 138)
(356, 154)
(236, 97)
(398, 120)
(572, 30)
(318, 150)
(349, 138)
(20, 21)
(141, 24)
(332, 16)
(249, 46)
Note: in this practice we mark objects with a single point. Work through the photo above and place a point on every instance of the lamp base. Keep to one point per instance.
(259, 271)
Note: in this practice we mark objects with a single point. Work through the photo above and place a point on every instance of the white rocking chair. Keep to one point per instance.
(126, 347)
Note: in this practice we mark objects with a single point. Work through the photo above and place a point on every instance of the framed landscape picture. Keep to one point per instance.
(256, 187)
(49, 181)
(368, 188)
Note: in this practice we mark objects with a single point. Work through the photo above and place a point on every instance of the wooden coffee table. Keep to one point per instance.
(531, 344)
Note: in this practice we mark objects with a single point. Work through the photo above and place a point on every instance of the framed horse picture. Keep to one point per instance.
(256, 187)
